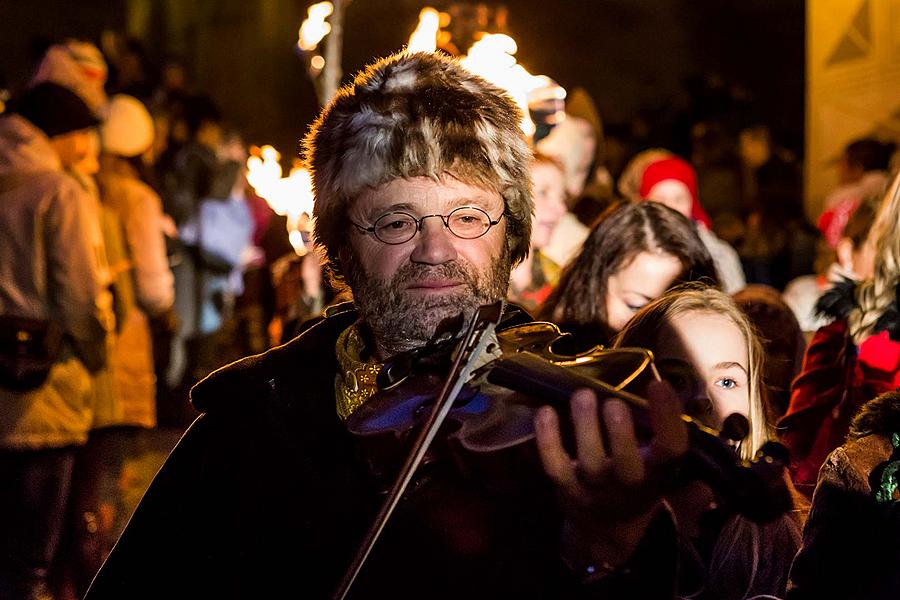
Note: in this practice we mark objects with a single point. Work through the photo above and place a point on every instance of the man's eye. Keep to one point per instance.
(396, 225)
(727, 383)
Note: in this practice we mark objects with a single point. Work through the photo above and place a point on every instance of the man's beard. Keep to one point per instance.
(400, 320)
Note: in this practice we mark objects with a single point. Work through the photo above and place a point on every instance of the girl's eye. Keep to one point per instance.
(727, 383)
(634, 308)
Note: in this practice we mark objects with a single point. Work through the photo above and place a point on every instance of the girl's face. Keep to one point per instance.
(713, 349)
(647, 276)
(673, 194)
(549, 201)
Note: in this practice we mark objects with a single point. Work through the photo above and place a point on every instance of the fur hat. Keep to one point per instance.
(411, 115)
(128, 129)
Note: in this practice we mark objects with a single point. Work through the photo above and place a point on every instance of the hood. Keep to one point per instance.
(24, 147)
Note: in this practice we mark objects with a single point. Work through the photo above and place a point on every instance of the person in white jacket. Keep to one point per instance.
(49, 273)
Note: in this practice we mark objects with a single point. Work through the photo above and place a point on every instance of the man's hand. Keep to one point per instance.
(610, 492)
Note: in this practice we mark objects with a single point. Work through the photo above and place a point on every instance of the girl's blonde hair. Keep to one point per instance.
(644, 328)
(875, 295)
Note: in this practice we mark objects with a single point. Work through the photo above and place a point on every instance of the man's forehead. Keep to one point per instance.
(425, 192)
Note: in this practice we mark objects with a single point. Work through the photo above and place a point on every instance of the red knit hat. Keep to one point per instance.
(679, 170)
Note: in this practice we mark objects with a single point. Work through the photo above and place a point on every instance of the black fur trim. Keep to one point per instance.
(839, 301)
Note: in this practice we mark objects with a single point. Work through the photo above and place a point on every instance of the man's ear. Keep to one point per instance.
(844, 251)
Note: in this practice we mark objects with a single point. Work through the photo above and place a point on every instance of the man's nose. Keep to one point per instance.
(434, 243)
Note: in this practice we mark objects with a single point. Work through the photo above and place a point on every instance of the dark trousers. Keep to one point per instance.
(34, 487)
(94, 517)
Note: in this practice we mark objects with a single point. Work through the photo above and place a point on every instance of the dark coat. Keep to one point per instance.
(851, 542)
(266, 495)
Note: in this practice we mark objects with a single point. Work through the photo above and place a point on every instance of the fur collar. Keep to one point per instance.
(840, 300)
(881, 415)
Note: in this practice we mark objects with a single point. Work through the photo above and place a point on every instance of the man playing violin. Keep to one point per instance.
(422, 207)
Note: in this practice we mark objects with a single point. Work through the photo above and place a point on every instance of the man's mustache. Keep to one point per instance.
(414, 272)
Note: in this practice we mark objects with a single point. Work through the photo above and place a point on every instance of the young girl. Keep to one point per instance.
(700, 333)
(634, 253)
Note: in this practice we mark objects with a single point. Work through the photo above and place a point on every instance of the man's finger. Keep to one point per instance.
(588, 440)
(670, 436)
(557, 462)
(623, 445)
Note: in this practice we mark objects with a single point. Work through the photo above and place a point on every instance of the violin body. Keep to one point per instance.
(454, 421)
(489, 433)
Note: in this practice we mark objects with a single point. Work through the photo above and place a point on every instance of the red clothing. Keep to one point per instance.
(837, 378)
(679, 170)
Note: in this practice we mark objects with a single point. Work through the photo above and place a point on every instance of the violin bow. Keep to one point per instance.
(478, 335)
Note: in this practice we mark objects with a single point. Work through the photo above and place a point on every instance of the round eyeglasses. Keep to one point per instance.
(398, 227)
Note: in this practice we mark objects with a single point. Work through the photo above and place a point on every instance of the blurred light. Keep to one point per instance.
(290, 196)
(492, 57)
(296, 240)
(314, 27)
(424, 38)
(317, 62)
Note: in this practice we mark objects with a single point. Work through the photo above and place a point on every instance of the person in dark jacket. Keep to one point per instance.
(849, 548)
(422, 206)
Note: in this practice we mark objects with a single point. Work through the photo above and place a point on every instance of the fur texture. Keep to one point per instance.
(840, 301)
(412, 115)
(881, 416)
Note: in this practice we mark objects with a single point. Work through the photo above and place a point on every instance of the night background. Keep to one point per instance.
(652, 66)
(151, 186)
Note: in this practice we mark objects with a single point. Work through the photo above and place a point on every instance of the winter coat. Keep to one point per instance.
(50, 270)
(268, 496)
(851, 542)
(141, 265)
(836, 379)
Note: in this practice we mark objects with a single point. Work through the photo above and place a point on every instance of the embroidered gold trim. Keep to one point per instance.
(355, 383)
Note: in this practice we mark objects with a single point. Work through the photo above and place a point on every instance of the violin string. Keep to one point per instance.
(467, 354)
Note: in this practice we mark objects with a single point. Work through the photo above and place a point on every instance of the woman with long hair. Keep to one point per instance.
(634, 253)
(851, 360)
(707, 347)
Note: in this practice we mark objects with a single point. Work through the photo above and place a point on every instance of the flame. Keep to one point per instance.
(314, 27)
(290, 196)
(424, 38)
(492, 58)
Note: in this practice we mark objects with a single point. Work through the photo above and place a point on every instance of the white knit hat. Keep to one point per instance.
(128, 129)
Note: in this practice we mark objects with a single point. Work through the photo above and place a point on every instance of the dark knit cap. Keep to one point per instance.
(54, 109)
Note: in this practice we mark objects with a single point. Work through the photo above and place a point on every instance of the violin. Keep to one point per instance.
(469, 398)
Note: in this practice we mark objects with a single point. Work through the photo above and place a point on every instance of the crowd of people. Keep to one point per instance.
(139, 261)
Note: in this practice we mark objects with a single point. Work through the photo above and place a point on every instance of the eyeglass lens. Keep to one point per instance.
(465, 222)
